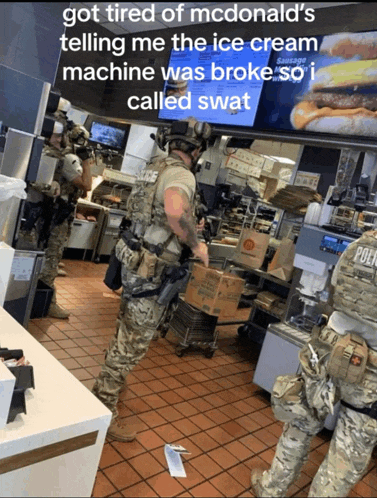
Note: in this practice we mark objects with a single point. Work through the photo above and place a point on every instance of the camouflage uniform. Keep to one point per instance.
(60, 232)
(139, 317)
(304, 401)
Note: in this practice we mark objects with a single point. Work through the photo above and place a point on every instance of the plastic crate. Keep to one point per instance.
(42, 300)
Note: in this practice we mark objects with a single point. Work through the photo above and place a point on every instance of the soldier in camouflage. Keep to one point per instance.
(161, 208)
(338, 363)
(73, 175)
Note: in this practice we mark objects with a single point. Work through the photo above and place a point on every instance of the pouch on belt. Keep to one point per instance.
(148, 263)
(348, 359)
(287, 397)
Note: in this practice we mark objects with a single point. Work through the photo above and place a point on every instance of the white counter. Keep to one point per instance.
(54, 449)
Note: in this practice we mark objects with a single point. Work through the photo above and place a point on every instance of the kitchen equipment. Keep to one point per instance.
(110, 232)
(22, 285)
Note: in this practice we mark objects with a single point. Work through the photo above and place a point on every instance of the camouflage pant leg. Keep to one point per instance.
(352, 443)
(291, 454)
(348, 457)
(290, 401)
(137, 323)
(54, 253)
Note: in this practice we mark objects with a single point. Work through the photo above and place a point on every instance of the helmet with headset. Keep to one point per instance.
(186, 135)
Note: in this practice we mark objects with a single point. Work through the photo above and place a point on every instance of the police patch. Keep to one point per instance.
(148, 176)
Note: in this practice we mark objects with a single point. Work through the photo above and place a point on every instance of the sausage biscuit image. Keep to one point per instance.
(342, 98)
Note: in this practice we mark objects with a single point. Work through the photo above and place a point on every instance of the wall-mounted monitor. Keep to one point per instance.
(209, 92)
(108, 135)
(336, 94)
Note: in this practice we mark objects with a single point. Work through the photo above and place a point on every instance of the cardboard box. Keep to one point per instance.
(213, 291)
(271, 187)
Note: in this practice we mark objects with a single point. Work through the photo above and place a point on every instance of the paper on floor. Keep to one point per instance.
(173, 457)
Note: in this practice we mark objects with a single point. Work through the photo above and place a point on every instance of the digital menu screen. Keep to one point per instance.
(333, 89)
(217, 93)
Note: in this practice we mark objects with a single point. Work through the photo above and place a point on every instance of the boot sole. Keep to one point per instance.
(122, 439)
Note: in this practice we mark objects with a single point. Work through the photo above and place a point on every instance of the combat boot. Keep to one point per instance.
(120, 432)
(56, 311)
(62, 273)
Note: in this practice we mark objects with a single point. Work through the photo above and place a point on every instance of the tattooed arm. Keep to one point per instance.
(181, 220)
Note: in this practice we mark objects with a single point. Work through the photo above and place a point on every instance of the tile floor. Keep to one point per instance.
(210, 406)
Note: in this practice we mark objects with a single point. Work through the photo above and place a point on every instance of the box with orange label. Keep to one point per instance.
(251, 248)
(213, 291)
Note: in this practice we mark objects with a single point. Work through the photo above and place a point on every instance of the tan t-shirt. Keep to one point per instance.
(171, 177)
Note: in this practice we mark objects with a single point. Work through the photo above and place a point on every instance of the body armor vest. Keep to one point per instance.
(142, 209)
(355, 292)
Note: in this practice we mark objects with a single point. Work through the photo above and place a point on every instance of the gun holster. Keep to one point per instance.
(113, 277)
(62, 210)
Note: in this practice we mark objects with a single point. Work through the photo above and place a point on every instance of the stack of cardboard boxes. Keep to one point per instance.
(214, 291)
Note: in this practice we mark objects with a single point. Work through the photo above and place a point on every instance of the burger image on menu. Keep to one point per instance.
(342, 98)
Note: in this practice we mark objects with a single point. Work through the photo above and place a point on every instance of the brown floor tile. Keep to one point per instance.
(253, 443)
(205, 490)
(129, 450)
(165, 486)
(140, 489)
(152, 419)
(81, 374)
(102, 486)
(217, 416)
(204, 441)
(187, 409)
(60, 354)
(146, 465)
(209, 406)
(169, 413)
(223, 457)
(109, 457)
(122, 475)
(150, 440)
(202, 421)
(193, 477)
(168, 433)
(154, 401)
(186, 427)
(70, 363)
(219, 435)
(227, 485)
(206, 466)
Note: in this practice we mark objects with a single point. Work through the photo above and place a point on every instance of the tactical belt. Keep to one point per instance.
(159, 250)
(371, 412)
(331, 337)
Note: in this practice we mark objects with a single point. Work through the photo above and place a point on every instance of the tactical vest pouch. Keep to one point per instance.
(348, 359)
(147, 266)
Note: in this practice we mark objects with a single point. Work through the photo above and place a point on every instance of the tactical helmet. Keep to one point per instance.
(188, 130)
(78, 134)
